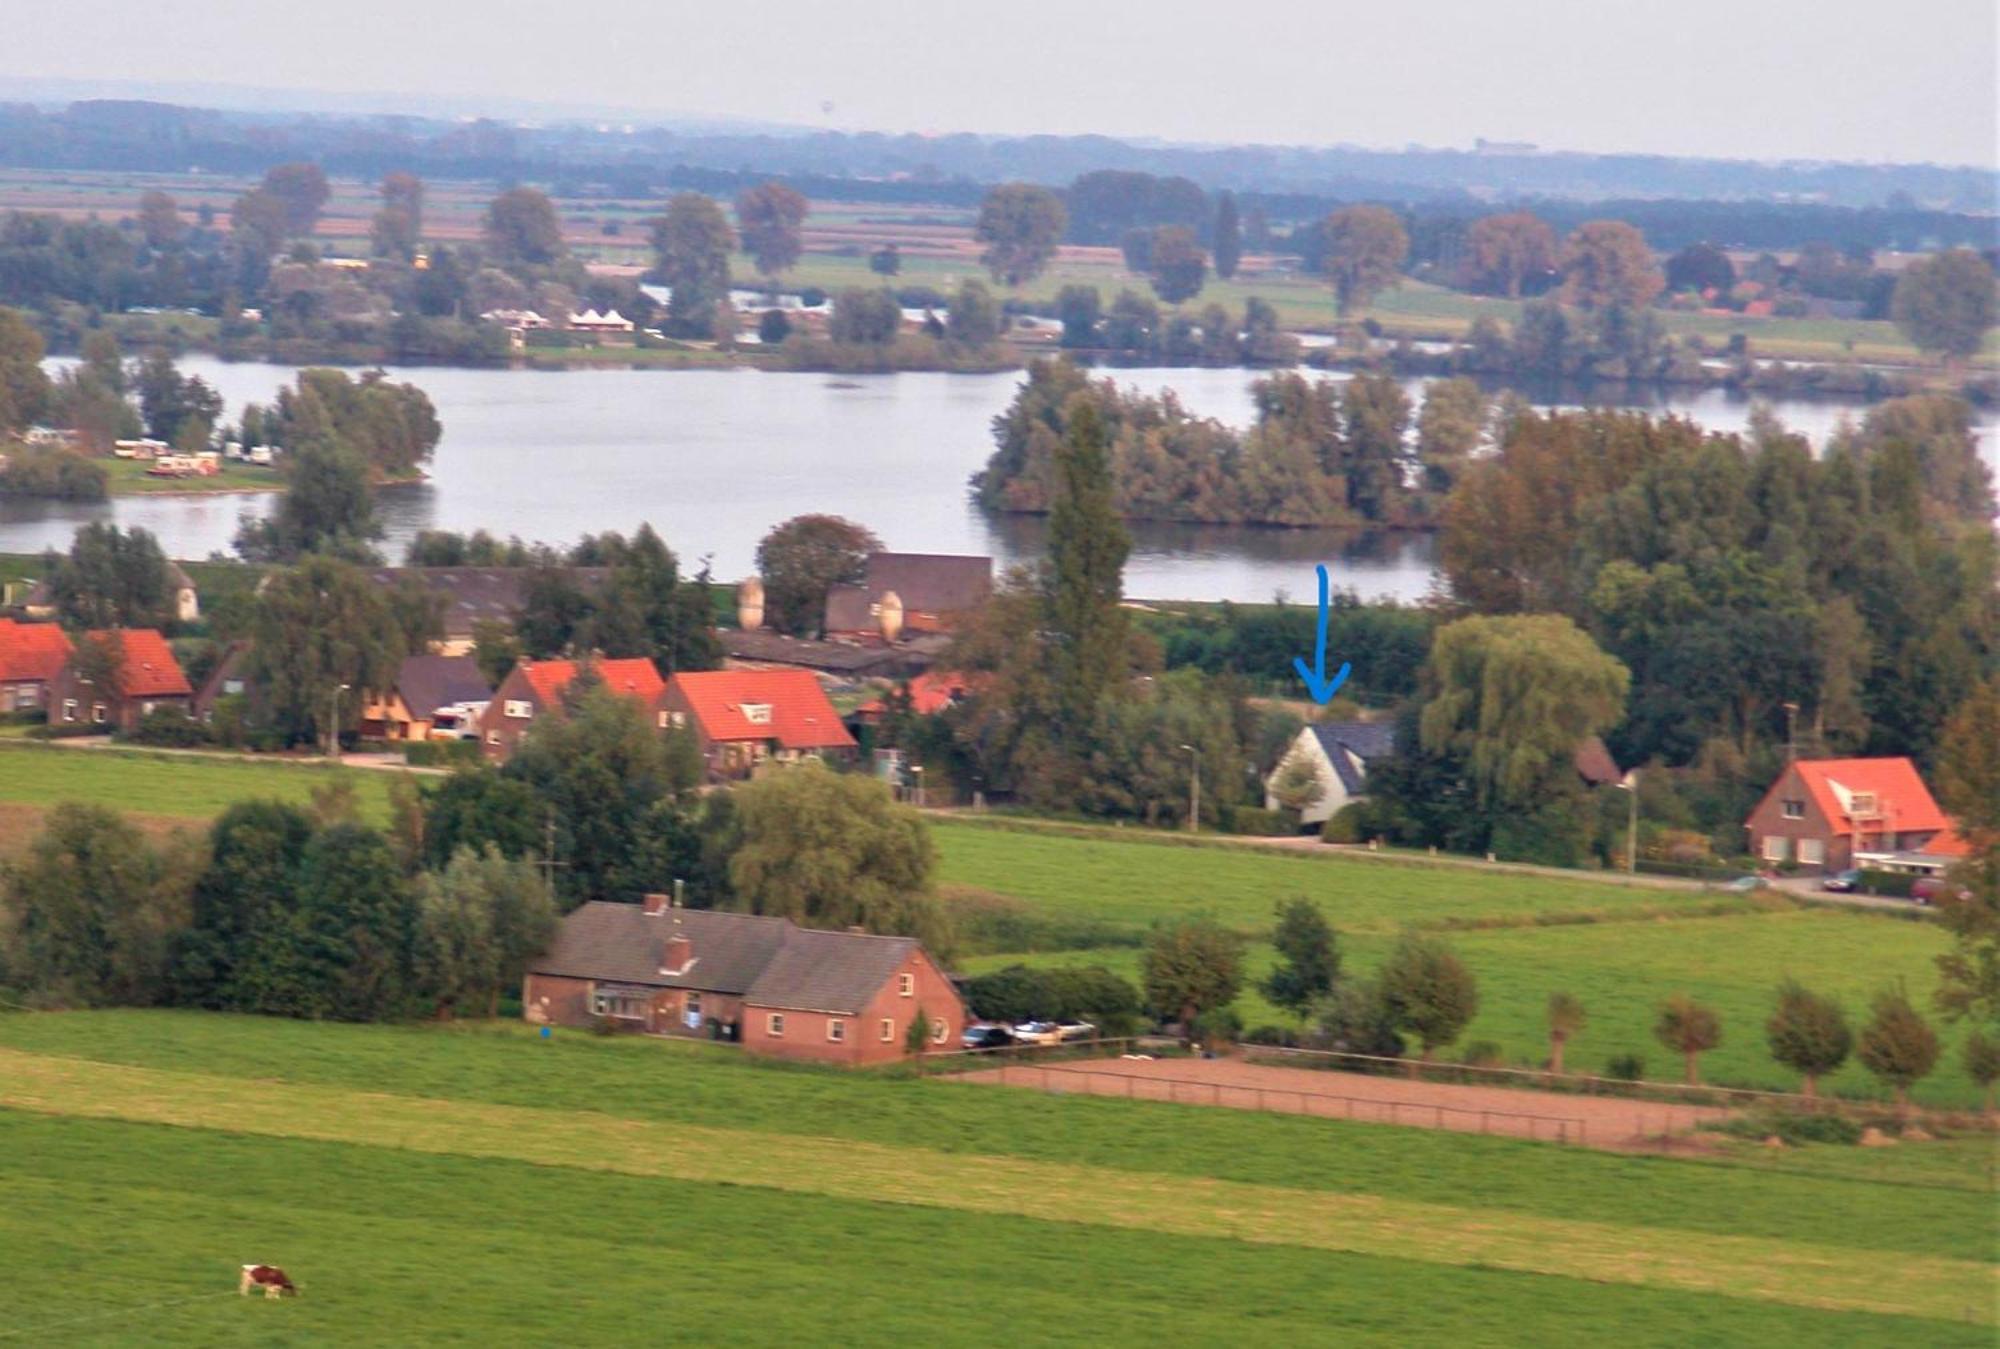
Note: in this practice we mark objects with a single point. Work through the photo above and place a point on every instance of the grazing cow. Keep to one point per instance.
(274, 1281)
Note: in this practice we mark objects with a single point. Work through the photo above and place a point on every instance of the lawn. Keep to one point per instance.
(188, 786)
(349, 1155)
(129, 477)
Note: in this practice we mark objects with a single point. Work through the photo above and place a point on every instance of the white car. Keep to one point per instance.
(458, 721)
(1053, 1032)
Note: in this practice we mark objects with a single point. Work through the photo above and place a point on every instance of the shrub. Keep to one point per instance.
(1895, 884)
(440, 753)
(1344, 825)
(1793, 1127)
(1021, 993)
(1261, 823)
(1281, 1037)
(168, 727)
(1217, 1026)
(1626, 1068)
(1483, 1054)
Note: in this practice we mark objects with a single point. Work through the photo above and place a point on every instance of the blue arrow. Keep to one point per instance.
(1321, 688)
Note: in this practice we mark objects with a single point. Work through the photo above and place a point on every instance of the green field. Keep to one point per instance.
(128, 477)
(442, 1185)
(187, 786)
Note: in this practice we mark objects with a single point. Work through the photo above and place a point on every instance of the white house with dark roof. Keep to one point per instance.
(1339, 753)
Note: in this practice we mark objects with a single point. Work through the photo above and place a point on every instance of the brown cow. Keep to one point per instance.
(274, 1281)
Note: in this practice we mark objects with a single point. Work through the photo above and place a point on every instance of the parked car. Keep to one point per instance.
(1842, 882)
(1053, 1032)
(1744, 885)
(986, 1035)
(1930, 889)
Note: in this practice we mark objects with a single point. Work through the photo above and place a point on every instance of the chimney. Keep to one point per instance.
(656, 904)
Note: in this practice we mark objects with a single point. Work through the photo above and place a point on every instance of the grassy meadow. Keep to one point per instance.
(455, 1184)
(191, 787)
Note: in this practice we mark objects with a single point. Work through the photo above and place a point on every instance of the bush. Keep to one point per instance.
(440, 753)
(1258, 822)
(1217, 1026)
(1483, 1054)
(1793, 1127)
(1279, 1037)
(1896, 884)
(169, 728)
(65, 731)
(1091, 993)
(773, 327)
(1344, 825)
(1626, 1068)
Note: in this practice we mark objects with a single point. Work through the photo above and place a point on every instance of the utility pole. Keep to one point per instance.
(333, 725)
(1632, 823)
(1194, 789)
(548, 864)
(1791, 738)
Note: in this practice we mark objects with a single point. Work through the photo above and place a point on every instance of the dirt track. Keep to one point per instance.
(1597, 1121)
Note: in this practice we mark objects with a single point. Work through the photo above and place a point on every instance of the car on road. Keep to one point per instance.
(1930, 889)
(986, 1035)
(1842, 882)
(1744, 885)
(1053, 1032)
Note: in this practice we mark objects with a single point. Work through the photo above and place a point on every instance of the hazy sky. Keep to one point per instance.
(1824, 79)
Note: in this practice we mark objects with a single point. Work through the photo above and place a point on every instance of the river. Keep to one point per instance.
(714, 458)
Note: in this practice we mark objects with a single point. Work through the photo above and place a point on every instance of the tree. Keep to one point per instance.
(1968, 780)
(89, 913)
(865, 316)
(1083, 577)
(521, 229)
(239, 953)
(1365, 248)
(691, 245)
(1566, 1020)
(111, 579)
(773, 327)
(1080, 308)
(327, 508)
(1690, 1030)
(356, 925)
(1808, 1034)
(480, 921)
(319, 625)
(477, 810)
(834, 850)
(1308, 955)
(1190, 967)
(1428, 991)
(804, 558)
(1945, 303)
(1701, 268)
(171, 403)
(300, 188)
(1897, 1045)
(1176, 264)
(24, 388)
(1298, 786)
(259, 222)
(886, 261)
(1503, 252)
(768, 218)
(1981, 1057)
(398, 226)
(974, 318)
(1020, 225)
(160, 220)
(1449, 429)
(645, 609)
(1606, 263)
(1228, 236)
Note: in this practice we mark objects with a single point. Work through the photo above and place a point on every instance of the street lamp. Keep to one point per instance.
(1630, 786)
(1194, 789)
(918, 770)
(333, 725)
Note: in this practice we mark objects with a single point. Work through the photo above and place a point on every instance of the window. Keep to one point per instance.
(1863, 803)
(146, 709)
(888, 1029)
(1775, 848)
(1794, 810)
(624, 1006)
(757, 714)
(69, 709)
(519, 710)
(906, 984)
(26, 696)
(232, 687)
(493, 737)
(940, 1031)
(694, 1004)
(679, 720)
(663, 721)
(97, 713)
(1812, 851)
(836, 1030)
(774, 1025)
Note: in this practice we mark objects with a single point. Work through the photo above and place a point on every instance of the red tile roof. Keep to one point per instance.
(1902, 802)
(635, 677)
(800, 716)
(31, 651)
(1946, 844)
(150, 670)
(930, 693)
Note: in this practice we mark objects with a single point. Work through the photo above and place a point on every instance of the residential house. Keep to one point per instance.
(1339, 753)
(231, 678)
(908, 593)
(928, 694)
(534, 689)
(474, 595)
(1840, 813)
(744, 718)
(31, 655)
(423, 685)
(149, 678)
(778, 988)
(40, 601)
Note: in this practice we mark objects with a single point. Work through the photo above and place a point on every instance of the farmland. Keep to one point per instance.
(156, 1151)
(185, 786)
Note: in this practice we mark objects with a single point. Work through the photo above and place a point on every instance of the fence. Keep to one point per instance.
(1367, 1109)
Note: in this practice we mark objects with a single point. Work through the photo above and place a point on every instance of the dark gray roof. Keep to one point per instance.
(427, 683)
(623, 942)
(932, 583)
(770, 962)
(774, 648)
(479, 594)
(1366, 740)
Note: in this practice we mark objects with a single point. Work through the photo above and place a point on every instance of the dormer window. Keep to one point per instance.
(757, 714)
(1864, 803)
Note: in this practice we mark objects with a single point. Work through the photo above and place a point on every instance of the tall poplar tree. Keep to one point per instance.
(1083, 577)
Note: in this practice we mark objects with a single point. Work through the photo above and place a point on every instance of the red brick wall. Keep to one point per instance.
(805, 1034)
(1768, 820)
(500, 733)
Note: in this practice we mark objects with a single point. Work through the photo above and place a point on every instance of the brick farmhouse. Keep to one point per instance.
(1826, 812)
(148, 678)
(31, 655)
(534, 688)
(744, 718)
(778, 988)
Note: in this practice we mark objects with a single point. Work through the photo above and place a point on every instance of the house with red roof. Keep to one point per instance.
(1839, 813)
(534, 689)
(147, 678)
(745, 718)
(31, 655)
(929, 693)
